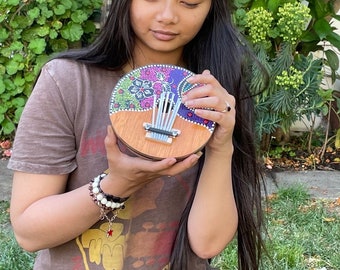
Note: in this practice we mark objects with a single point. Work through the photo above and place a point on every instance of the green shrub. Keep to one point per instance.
(30, 32)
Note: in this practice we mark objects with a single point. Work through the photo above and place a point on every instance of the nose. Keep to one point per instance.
(167, 13)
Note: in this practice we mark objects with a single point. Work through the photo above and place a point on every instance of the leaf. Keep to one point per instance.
(241, 3)
(259, 3)
(329, 219)
(79, 16)
(43, 31)
(18, 113)
(334, 39)
(337, 139)
(33, 13)
(319, 8)
(21, 22)
(18, 102)
(7, 127)
(4, 34)
(72, 32)
(57, 25)
(273, 5)
(16, 46)
(59, 45)
(2, 87)
(19, 81)
(12, 67)
(13, 2)
(37, 45)
(68, 4)
(332, 58)
(45, 12)
(89, 27)
(59, 10)
(322, 28)
(53, 34)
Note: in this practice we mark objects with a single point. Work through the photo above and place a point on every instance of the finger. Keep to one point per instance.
(146, 165)
(183, 165)
(221, 118)
(110, 140)
(205, 102)
(205, 78)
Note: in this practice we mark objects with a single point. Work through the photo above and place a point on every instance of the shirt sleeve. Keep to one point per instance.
(45, 141)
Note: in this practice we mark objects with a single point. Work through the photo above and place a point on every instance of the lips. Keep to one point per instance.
(164, 35)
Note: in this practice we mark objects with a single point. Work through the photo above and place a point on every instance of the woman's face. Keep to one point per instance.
(165, 26)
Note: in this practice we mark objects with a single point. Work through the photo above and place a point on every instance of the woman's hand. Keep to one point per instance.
(220, 109)
(128, 174)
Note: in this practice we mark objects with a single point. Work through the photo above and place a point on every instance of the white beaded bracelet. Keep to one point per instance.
(106, 202)
(103, 200)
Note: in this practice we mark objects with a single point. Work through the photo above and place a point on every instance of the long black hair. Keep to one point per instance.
(218, 47)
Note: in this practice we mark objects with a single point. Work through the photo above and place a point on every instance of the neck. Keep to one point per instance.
(142, 58)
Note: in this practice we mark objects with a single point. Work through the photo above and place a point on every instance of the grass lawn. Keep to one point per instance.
(12, 257)
(303, 233)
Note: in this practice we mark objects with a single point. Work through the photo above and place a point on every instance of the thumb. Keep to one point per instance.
(111, 138)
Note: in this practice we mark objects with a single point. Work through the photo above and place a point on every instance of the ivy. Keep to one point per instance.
(30, 32)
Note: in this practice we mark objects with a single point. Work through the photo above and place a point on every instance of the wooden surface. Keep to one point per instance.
(128, 126)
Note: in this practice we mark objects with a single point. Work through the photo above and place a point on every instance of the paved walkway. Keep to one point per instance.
(321, 184)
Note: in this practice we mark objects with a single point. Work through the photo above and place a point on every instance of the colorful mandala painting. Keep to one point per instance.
(141, 89)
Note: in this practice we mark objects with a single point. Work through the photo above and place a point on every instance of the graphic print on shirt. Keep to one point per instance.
(111, 253)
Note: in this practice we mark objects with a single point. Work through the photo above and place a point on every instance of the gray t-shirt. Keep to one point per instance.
(62, 131)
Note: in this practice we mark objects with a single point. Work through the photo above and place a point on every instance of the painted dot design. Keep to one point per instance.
(135, 91)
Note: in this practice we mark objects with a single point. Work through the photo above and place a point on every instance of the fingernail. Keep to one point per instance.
(172, 161)
(188, 103)
(190, 79)
(199, 154)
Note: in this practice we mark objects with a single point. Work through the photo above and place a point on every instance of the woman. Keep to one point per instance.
(64, 140)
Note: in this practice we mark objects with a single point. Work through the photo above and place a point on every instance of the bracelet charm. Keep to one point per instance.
(105, 202)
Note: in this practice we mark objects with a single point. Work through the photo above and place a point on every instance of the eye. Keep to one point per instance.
(189, 4)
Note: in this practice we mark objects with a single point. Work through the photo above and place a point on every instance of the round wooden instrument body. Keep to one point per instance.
(148, 116)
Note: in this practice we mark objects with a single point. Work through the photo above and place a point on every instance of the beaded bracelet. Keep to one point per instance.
(105, 201)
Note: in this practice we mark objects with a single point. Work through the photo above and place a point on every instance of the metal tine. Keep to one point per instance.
(166, 114)
(174, 113)
(153, 114)
(167, 128)
(159, 113)
(165, 102)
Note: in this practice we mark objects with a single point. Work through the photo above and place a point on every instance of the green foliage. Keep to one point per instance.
(30, 32)
(284, 34)
(277, 152)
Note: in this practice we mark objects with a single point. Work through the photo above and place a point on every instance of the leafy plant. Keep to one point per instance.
(30, 32)
(284, 34)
